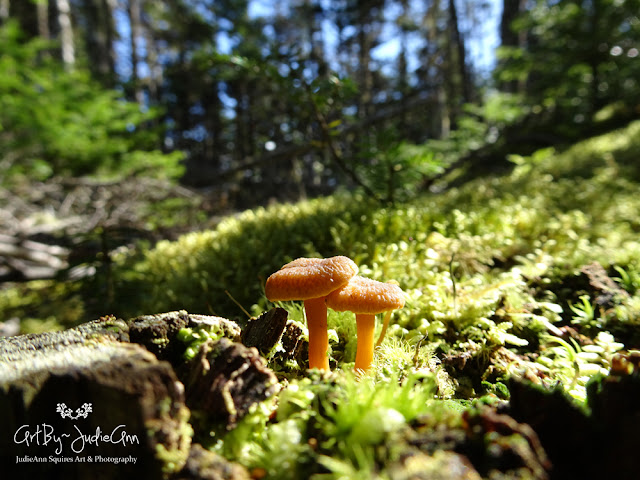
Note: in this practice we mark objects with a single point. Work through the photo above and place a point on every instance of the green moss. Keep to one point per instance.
(194, 338)
(487, 269)
(173, 453)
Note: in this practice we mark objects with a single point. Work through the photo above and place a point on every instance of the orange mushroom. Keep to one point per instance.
(366, 298)
(311, 280)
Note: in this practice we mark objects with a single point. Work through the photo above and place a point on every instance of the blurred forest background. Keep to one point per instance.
(124, 121)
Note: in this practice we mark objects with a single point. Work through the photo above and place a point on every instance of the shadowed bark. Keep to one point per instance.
(76, 401)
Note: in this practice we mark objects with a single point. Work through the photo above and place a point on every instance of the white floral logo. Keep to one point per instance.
(66, 412)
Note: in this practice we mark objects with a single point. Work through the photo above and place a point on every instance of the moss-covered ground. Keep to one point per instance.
(503, 281)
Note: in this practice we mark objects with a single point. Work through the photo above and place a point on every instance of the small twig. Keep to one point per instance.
(417, 354)
(453, 282)
(335, 154)
(237, 303)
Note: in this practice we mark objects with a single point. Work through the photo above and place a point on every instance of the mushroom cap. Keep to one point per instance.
(363, 295)
(306, 278)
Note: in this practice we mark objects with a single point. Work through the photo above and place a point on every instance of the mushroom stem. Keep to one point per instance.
(366, 325)
(316, 311)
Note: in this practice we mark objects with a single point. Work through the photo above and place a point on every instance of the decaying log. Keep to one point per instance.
(158, 332)
(75, 402)
(225, 379)
(58, 391)
(265, 332)
(605, 291)
(294, 345)
(205, 465)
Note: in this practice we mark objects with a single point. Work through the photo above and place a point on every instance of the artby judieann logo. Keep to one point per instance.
(69, 446)
(66, 412)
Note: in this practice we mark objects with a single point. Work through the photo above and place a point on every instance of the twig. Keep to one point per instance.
(335, 154)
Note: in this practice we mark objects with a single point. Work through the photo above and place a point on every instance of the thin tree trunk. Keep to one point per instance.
(403, 67)
(433, 75)
(314, 12)
(365, 79)
(108, 59)
(43, 19)
(136, 31)
(155, 70)
(66, 33)
(4, 11)
(510, 38)
(465, 79)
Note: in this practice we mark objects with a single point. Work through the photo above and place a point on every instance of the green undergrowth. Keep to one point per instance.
(474, 261)
(491, 272)
(325, 424)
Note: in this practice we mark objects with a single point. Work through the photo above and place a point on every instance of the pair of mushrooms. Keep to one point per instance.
(333, 282)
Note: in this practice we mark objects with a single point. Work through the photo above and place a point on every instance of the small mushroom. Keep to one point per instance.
(366, 298)
(311, 280)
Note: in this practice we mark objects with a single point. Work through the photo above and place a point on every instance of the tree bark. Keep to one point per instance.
(66, 33)
(106, 378)
(135, 23)
(461, 55)
(510, 38)
(4, 11)
(155, 69)
(43, 19)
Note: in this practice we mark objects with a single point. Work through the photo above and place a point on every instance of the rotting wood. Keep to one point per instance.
(95, 378)
(605, 290)
(103, 387)
(266, 331)
(225, 379)
(158, 332)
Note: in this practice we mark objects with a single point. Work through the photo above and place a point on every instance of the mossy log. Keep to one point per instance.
(266, 331)
(224, 380)
(89, 403)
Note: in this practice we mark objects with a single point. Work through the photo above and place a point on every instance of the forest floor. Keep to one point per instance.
(517, 354)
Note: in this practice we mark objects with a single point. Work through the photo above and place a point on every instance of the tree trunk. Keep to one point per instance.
(42, 7)
(108, 51)
(403, 67)
(66, 33)
(4, 11)
(365, 79)
(510, 38)
(314, 13)
(99, 35)
(461, 55)
(155, 69)
(135, 23)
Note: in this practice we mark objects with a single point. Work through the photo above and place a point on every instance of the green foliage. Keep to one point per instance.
(629, 279)
(350, 420)
(478, 126)
(60, 122)
(572, 366)
(492, 228)
(43, 305)
(398, 171)
(579, 57)
(584, 311)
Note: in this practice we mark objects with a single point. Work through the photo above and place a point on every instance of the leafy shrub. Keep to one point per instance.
(59, 122)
